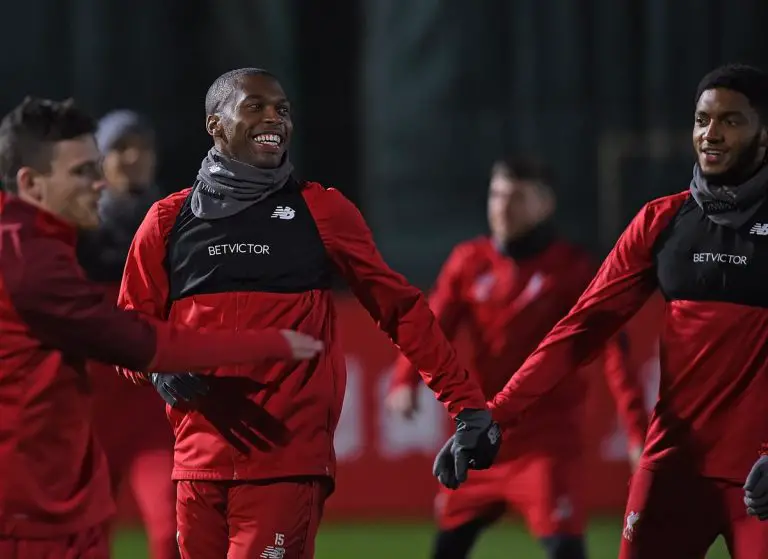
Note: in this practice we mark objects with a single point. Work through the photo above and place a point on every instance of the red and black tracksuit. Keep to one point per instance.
(255, 464)
(54, 486)
(709, 422)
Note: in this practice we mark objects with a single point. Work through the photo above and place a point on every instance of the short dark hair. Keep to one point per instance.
(750, 81)
(224, 86)
(524, 167)
(28, 132)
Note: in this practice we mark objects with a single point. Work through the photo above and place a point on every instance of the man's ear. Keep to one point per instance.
(764, 137)
(213, 126)
(29, 184)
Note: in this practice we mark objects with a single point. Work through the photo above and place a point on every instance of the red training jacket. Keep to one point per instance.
(265, 267)
(710, 416)
(53, 476)
(507, 306)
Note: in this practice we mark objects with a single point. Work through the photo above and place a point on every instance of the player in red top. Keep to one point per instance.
(54, 487)
(249, 246)
(507, 291)
(705, 249)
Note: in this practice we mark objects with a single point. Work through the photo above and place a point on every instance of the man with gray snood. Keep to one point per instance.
(706, 250)
(252, 244)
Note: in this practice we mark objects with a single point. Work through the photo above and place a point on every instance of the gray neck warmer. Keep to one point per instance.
(731, 206)
(225, 186)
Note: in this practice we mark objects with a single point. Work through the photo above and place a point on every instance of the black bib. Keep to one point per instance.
(273, 246)
(698, 260)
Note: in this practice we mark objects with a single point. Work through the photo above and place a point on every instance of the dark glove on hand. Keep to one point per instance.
(474, 446)
(444, 468)
(756, 489)
(180, 391)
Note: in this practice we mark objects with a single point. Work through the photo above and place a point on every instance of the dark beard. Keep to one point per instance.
(742, 169)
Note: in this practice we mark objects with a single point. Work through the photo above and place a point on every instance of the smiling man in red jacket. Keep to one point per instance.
(507, 290)
(54, 487)
(706, 250)
(250, 246)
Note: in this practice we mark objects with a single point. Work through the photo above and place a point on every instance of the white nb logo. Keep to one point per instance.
(629, 529)
(272, 552)
(284, 212)
(759, 229)
(276, 551)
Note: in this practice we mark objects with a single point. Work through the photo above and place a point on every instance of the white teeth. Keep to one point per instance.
(273, 139)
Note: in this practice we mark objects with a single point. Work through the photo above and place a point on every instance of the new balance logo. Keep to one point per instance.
(284, 212)
(272, 552)
(276, 551)
(629, 528)
(759, 229)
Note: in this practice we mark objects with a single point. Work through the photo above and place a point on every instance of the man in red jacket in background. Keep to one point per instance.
(139, 452)
(54, 486)
(508, 290)
(705, 250)
(251, 246)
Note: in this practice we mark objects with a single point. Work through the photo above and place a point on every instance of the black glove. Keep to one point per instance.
(180, 391)
(756, 489)
(444, 468)
(474, 446)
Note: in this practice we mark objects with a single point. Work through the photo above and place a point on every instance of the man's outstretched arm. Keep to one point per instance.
(622, 285)
(402, 312)
(399, 309)
(67, 312)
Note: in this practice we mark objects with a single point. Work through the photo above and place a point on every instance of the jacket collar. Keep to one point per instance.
(15, 210)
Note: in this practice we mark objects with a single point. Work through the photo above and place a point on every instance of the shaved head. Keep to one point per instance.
(224, 86)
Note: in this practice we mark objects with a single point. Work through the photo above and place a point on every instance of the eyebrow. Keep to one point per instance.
(86, 163)
(726, 114)
(257, 97)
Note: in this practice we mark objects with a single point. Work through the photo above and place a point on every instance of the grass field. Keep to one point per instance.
(411, 541)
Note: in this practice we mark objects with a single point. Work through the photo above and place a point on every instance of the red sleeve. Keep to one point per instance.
(65, 311)
(398, 308)
(624, 282)
(447, 306)
(144, 287)
(626, 389)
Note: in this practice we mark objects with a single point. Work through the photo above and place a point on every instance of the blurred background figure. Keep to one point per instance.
(140, 449)
(507, 290)
(127, 141)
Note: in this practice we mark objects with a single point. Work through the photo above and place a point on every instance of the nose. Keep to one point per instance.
(131, 155)
(99, 185)
(712, 133)
(271, 115)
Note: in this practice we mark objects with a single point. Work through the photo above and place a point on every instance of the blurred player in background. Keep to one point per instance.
(251, 245)
(140, 451)
(705, 249)
(55, 496)
(508, 290)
